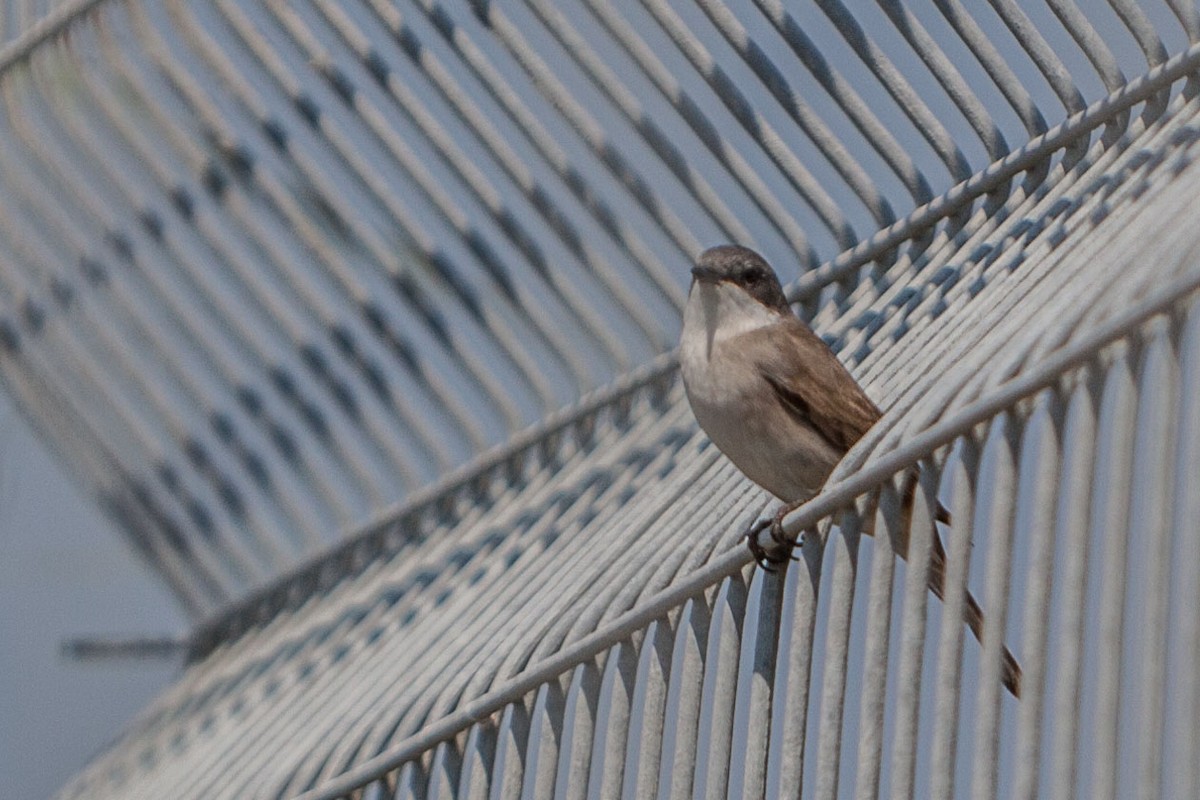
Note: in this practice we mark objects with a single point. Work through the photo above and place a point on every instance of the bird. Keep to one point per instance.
(774, 398)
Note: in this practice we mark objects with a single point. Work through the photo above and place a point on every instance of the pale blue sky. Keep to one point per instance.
(64, 571)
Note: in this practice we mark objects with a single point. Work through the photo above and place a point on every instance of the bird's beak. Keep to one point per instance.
(705, 275)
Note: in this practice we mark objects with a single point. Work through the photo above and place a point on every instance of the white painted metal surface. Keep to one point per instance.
(273, 269)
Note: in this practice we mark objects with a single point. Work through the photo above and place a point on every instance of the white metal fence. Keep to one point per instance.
(271, 268)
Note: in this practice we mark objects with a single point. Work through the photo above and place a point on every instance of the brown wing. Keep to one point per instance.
(841, 411)
(813, 386)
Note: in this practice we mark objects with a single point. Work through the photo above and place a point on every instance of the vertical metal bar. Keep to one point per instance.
(1163, 419)
(756, 738)
(479, 754)
(837, 653)
(549, 711)
(1123, 424)
(1184, 736)
(444, 772)
(794, 729)
(654, 671)
(1077, 516)
(720, 684)
(410, 782)
(508, 769)
(875, 659)
(912, 635)
(1036, 623)
(582, 699)
(1191, 754)
(687, 686)
(1005, 481)
(608, 769)
(377, 790)
(950, 647)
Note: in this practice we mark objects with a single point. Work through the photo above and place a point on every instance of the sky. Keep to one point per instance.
(64, 572)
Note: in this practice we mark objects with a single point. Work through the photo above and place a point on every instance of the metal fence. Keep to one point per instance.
(271, 268)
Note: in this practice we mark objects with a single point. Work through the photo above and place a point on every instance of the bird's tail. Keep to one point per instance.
(1010, 670)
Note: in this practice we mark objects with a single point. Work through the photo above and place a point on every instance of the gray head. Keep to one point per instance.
(731, 263)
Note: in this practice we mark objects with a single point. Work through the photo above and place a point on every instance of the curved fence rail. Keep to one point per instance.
(267, 269)
(579, 620)
(358, 317)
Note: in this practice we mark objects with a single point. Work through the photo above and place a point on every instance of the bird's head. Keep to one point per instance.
(741, 267)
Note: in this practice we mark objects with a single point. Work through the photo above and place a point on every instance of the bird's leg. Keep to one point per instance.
(779, 535)
(784, 543)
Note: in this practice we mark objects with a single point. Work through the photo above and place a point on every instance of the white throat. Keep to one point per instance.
(719, 311)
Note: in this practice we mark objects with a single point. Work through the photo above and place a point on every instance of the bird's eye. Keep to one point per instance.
(753, 275)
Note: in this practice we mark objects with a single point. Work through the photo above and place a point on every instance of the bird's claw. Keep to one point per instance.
(761, 557)
(785, 545)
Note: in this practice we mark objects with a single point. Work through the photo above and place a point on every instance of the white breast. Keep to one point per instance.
(719, 311)
(735, 405)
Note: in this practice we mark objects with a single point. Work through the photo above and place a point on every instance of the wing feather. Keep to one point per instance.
(814, 387)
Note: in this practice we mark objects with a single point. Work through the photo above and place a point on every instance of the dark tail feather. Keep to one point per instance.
(1010, 670)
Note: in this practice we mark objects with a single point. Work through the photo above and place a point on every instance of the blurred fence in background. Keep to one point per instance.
(359, 316)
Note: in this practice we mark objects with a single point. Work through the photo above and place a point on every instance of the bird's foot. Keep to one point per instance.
(781, 553)
(761, 556)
